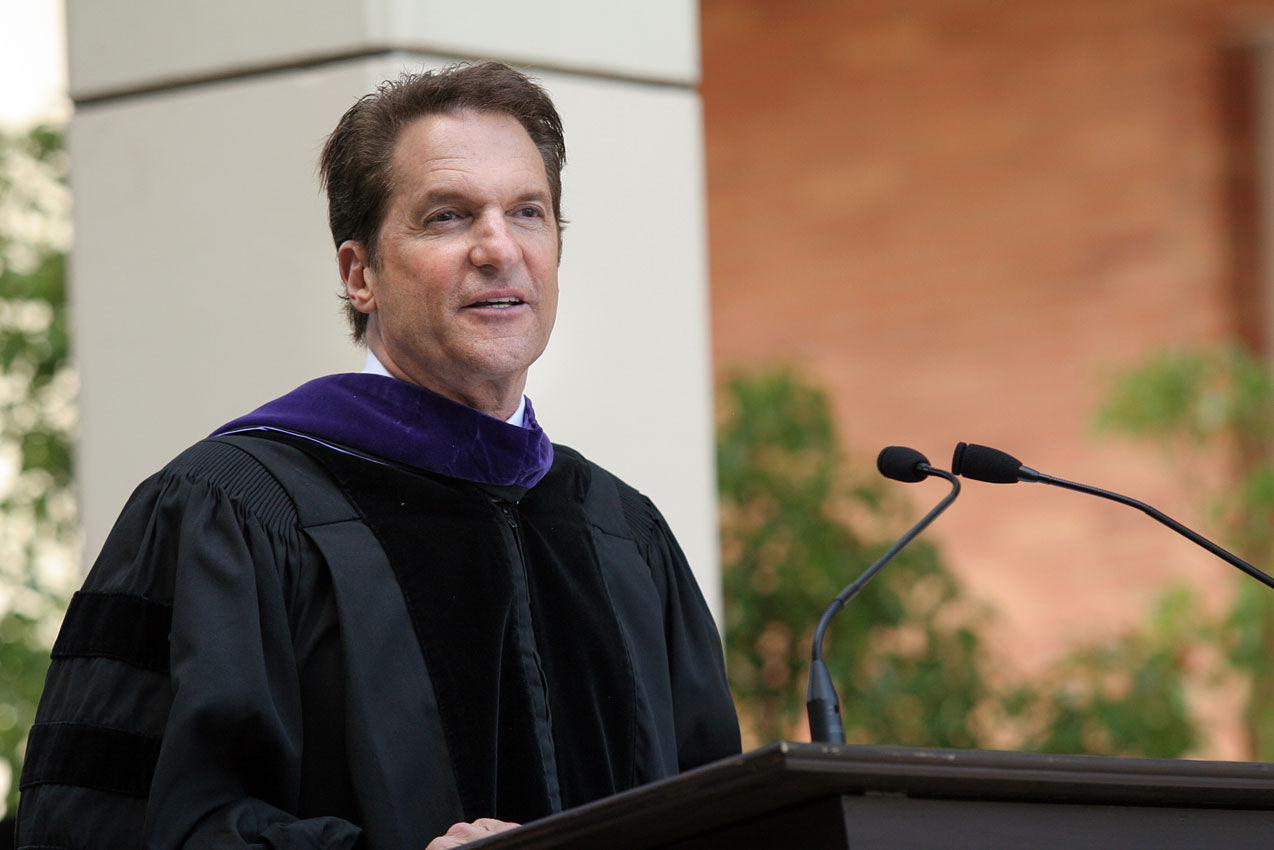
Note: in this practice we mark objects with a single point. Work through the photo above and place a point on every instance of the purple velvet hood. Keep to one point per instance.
(407, 424)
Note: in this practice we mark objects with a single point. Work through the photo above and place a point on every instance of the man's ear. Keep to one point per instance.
(358, 276)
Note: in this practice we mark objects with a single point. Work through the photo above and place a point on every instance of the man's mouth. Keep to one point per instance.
(498, 303)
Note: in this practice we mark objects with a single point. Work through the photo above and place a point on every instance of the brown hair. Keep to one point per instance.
(357, 161)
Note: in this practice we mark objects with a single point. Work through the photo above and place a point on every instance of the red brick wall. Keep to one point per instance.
(959, 215)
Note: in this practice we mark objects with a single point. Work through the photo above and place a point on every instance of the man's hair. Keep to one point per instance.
(357, 160)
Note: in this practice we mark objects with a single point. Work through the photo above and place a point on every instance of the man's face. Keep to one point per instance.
(464, 294)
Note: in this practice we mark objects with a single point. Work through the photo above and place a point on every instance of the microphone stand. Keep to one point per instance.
(821, 702)
(1028, 474)
(983, 463)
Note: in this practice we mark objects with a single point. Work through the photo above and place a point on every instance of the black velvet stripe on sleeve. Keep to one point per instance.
(126, 628)
(90, 757)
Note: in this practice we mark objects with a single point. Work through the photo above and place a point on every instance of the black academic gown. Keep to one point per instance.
(284, 644)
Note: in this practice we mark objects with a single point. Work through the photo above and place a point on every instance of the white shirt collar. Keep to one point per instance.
(375, 367)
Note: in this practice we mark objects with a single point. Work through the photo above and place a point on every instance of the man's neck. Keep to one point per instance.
(375, 367)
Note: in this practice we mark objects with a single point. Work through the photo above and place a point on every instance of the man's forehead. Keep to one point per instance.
(463, 134)
(447, 151)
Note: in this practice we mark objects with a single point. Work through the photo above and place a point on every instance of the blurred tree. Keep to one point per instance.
(1200, 406)
(906, 656)
(38, 532)
(1127, 697)
(795, 531)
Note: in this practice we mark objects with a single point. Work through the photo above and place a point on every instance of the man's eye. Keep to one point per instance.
(443, 217)
(530, 212)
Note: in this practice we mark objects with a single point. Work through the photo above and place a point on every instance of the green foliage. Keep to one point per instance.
(904, 660)
(905, 656)
(1127, 697)
(1201, 405)
(37, 385)
(1189, 399)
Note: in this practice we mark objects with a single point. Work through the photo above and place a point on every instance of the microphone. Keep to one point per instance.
(982, 463)
(903, 464)
(822, 705)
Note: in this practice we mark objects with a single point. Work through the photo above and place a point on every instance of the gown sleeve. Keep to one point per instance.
(705, 722)
(172, 713)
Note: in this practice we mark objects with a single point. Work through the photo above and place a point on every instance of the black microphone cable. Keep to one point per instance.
(821, 702)
(982, 463)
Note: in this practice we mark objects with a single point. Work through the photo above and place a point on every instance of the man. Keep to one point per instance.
(383, 610)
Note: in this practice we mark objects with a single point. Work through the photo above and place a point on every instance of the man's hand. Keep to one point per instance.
(463, 833)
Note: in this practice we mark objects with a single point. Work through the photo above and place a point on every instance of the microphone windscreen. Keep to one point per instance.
(982, 463)
(902, 464)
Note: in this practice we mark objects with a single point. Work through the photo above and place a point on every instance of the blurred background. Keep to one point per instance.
(969, 220)
(1039, 226)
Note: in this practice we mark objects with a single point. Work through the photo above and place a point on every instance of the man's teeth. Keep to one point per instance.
(499, 302)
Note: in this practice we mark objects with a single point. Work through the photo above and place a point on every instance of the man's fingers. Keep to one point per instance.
(493, 825)
(462, 833)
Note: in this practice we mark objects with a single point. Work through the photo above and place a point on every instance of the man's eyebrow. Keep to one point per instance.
(440, 196)
(433, 197)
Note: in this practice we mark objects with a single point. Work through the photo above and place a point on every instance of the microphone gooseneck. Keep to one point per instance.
(982, 463)
(821, 702)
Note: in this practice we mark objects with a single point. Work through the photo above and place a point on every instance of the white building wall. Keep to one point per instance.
(204, 280)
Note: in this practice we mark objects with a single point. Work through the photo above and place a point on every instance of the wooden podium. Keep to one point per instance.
(819, 797)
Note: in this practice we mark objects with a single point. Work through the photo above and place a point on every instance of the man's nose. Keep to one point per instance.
(494, 243)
